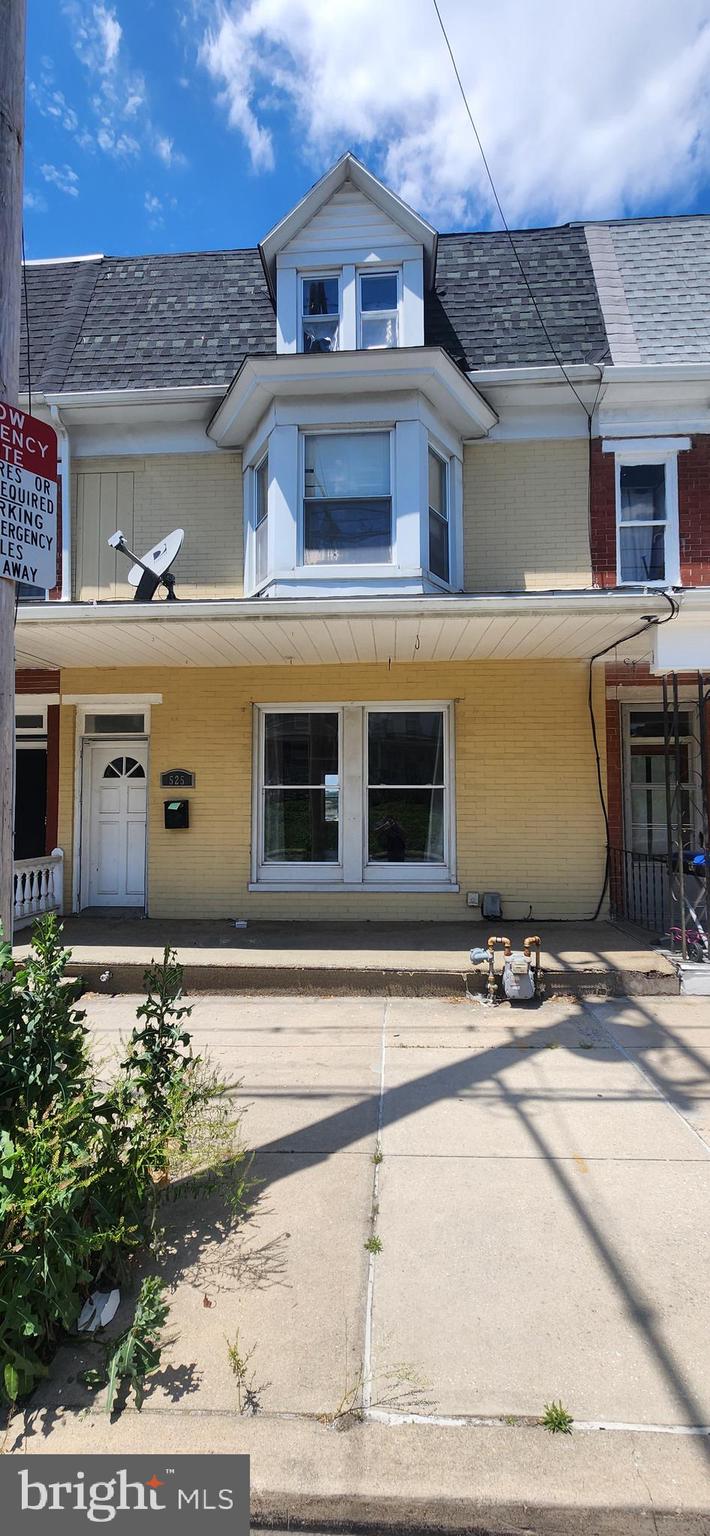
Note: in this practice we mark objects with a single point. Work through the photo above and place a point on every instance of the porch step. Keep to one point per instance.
(111, 954)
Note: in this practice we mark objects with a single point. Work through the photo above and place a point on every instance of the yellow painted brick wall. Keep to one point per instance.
(525, 517)
(528, 818)
(200, 492)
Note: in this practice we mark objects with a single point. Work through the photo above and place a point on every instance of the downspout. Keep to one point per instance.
(65, 479)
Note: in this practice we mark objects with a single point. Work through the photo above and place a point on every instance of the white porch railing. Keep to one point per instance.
(38, 886)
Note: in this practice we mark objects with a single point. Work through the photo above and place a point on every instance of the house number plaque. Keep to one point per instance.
(177, 778)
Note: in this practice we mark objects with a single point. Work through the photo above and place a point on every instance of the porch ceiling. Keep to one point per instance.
(530, 627)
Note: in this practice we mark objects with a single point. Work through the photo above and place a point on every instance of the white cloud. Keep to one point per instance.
(153, 208)
(97, 34)
(584, 111)
(118, 90)
(62, 177)
(35, 201)
(165, 150)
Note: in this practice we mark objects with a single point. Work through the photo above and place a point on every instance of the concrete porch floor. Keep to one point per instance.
(110, 952)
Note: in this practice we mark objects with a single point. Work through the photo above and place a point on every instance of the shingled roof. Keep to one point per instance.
(124, 322)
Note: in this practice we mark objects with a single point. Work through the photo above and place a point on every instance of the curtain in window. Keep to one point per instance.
(642, 551)
(348, 464)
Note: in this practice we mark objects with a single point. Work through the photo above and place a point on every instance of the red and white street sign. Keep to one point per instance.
(28, 498)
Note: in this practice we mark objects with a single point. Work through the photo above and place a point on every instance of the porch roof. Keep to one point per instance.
(532, 626)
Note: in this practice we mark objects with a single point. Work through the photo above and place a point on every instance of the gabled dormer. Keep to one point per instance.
(348, 266)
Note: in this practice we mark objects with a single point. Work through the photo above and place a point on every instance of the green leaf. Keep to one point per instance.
(11, 1378)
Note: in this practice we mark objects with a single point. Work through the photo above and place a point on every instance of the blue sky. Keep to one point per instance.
(182, 124)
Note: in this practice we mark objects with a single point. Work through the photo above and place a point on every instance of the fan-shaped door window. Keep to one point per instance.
(124, 768)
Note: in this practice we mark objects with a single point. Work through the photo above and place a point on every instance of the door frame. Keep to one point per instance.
(689, 705)
(119, 744)
(115, 704)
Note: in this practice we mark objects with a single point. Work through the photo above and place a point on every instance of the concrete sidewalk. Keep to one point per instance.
(541, 1201)
(358, 959)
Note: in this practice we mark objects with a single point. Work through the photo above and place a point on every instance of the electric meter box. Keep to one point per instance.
(177, 813)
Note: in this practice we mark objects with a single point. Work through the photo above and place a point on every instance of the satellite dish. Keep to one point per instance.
(159, 559)
(153, 570)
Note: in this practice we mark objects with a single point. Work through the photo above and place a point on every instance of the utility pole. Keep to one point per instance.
(12, 103)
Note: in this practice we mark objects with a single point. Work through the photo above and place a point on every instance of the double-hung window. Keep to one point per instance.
(320, 313)
(300, 821)
(354, 795)
(647, 544)
(347, 503)
(378, 309)
(643, 522)
(438, 517)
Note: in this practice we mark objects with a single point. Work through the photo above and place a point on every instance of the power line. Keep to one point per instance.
(506, 227)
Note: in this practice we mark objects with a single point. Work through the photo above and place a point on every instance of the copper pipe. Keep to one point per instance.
(499, 938)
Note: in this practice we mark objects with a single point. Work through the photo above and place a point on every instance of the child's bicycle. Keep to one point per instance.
(696, 942)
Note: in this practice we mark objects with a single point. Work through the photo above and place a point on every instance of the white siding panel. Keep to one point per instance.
(347, 220)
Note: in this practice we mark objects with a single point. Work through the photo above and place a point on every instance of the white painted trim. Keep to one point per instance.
(347, 168)
(121, 742)
(357, 873)
(645, 449)
(639, 453)
(31, 733)
(62, 261)
(113, 703)
(432, 888)
(23, 700)
(628, 603)
(651, 694)
(428, 370)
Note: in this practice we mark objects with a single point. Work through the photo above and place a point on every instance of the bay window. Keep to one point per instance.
(354, 795)
(347, 503)
(320, 313)
(379, 309)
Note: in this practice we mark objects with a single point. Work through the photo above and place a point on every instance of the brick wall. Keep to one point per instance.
(693, 515)
(525, 516)
(527, 811)
(147, 497)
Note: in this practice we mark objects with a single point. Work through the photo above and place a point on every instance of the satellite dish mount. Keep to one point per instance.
(153, 570)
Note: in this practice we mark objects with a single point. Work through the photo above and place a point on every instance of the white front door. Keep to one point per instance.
(114, 851)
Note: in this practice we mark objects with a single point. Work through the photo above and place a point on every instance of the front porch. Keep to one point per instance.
(416, 959)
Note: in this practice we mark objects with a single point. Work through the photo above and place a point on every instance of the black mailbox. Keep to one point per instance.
(177, 813)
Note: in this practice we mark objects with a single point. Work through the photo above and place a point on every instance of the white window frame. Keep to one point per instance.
(260, 581)
(641, 452)
(444, 460)
(378, 314)
(353, 872)
(30, 734)
(344, 568)
(316, 277)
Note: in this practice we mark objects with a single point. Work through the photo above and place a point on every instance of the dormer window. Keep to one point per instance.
(320, 313)
(378, 309)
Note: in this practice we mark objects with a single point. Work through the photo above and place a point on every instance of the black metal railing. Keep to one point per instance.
(639, 889)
